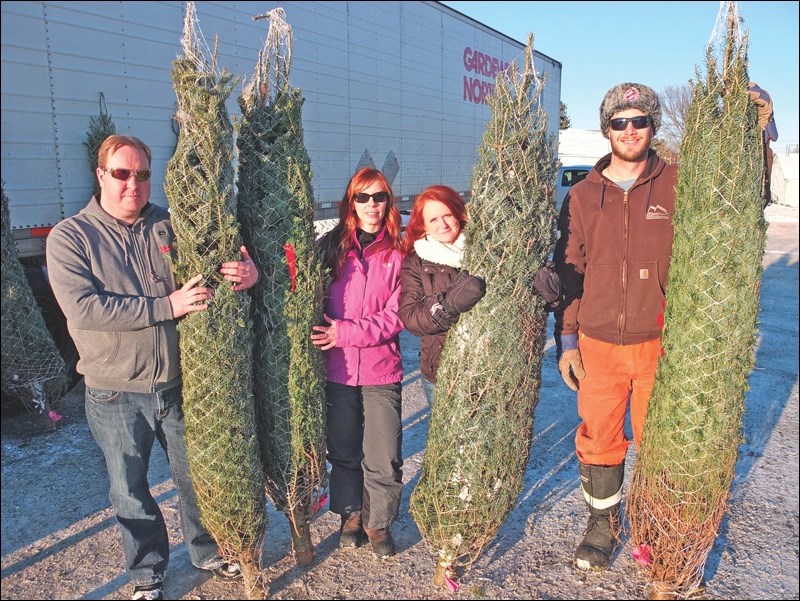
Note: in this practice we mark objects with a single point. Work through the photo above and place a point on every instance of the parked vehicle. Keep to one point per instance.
(567, 177)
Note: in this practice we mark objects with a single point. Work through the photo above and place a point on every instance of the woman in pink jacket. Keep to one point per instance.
(363, 360)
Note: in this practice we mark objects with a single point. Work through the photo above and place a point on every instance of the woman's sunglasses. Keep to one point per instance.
(363, 197)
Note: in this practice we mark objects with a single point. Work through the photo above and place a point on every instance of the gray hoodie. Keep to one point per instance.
(113, 281)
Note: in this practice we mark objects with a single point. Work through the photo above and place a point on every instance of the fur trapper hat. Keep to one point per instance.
(629, 96)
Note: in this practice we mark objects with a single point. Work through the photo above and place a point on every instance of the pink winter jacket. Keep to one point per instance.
(364, 300)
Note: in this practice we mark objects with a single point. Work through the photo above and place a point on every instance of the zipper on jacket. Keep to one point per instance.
(145, 281)
(621, 319)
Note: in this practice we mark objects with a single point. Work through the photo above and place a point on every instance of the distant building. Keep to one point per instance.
(785, 179)
(582, 146)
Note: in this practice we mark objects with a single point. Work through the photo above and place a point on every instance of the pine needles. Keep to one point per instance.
(33, 371)
(490, 374)
(99, 129)
(693, 428)
(276, 208)
(216, 344)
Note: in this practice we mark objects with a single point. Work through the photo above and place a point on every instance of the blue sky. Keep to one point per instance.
(600, 44)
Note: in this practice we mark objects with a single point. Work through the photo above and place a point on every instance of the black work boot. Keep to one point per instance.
(602, 490)
(351, 534)
(381, 541)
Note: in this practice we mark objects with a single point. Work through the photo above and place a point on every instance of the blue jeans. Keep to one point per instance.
(428, 387)
(125, 425)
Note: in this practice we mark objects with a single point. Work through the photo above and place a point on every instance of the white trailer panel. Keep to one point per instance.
(402, 84)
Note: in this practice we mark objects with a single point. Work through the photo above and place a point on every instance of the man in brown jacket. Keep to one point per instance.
(613, 256)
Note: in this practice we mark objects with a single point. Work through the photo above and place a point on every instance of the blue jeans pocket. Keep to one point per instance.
(102, 396)
(170, 398)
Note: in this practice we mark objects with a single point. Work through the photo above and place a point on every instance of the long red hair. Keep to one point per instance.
(415, 229)
(339, 241)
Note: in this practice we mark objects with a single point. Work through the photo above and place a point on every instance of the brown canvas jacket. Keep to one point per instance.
(614, 254)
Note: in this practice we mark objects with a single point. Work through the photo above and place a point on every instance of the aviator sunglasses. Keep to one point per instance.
(378, 197)
(142, 175)
(641, 122)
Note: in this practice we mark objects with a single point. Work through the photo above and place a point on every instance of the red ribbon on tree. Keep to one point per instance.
(291, 261)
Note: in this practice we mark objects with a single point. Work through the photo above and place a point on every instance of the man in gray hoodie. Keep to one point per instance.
(110, 269)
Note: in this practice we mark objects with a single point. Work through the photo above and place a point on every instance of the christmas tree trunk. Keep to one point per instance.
(490, 373)
(276, 208)
(33, 371)
(216, 344)
(693, 428)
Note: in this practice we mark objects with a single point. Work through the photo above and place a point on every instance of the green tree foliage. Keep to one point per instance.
(99, 129)
(693, 428)
(563, 118)
(216, 344)
(490, 374)
(276, 209)
(33, 371)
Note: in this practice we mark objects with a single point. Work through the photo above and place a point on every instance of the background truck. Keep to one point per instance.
(402, 86)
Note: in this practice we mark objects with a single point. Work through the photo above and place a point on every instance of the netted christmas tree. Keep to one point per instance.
(99, 129)
(691, 437)
(216, 344)
(33, 371)
(489, 378)
(276, 209)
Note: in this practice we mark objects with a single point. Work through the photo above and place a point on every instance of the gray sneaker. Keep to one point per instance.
(149, 592)
(227, 571)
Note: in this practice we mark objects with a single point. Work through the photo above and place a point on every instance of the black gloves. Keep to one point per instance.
(549, 286)
(464, 294)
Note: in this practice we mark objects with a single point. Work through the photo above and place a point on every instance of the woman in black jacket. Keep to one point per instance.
(434, 288)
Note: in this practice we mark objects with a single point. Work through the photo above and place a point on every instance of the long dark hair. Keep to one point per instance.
(339, 241)
(415, 229)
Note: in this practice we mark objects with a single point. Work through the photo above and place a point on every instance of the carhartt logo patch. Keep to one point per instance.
(656, 212)
(644, 274)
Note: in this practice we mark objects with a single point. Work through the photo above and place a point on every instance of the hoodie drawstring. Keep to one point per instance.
(602, 193)
(154, 277)
(124, 242)
(649, 195)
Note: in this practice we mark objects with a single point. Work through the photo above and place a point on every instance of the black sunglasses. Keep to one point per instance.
(641, 122)
(363, 197)
(142, 175)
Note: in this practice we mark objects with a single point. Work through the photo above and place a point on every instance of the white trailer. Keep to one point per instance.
(400, 85)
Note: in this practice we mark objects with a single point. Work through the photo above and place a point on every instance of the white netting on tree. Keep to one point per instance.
(691, 437)
(216, 344)
(489, 378)
(728, 26)
(276, 208)
(33, 371)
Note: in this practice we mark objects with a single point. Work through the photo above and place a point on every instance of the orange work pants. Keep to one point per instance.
(614, 375)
